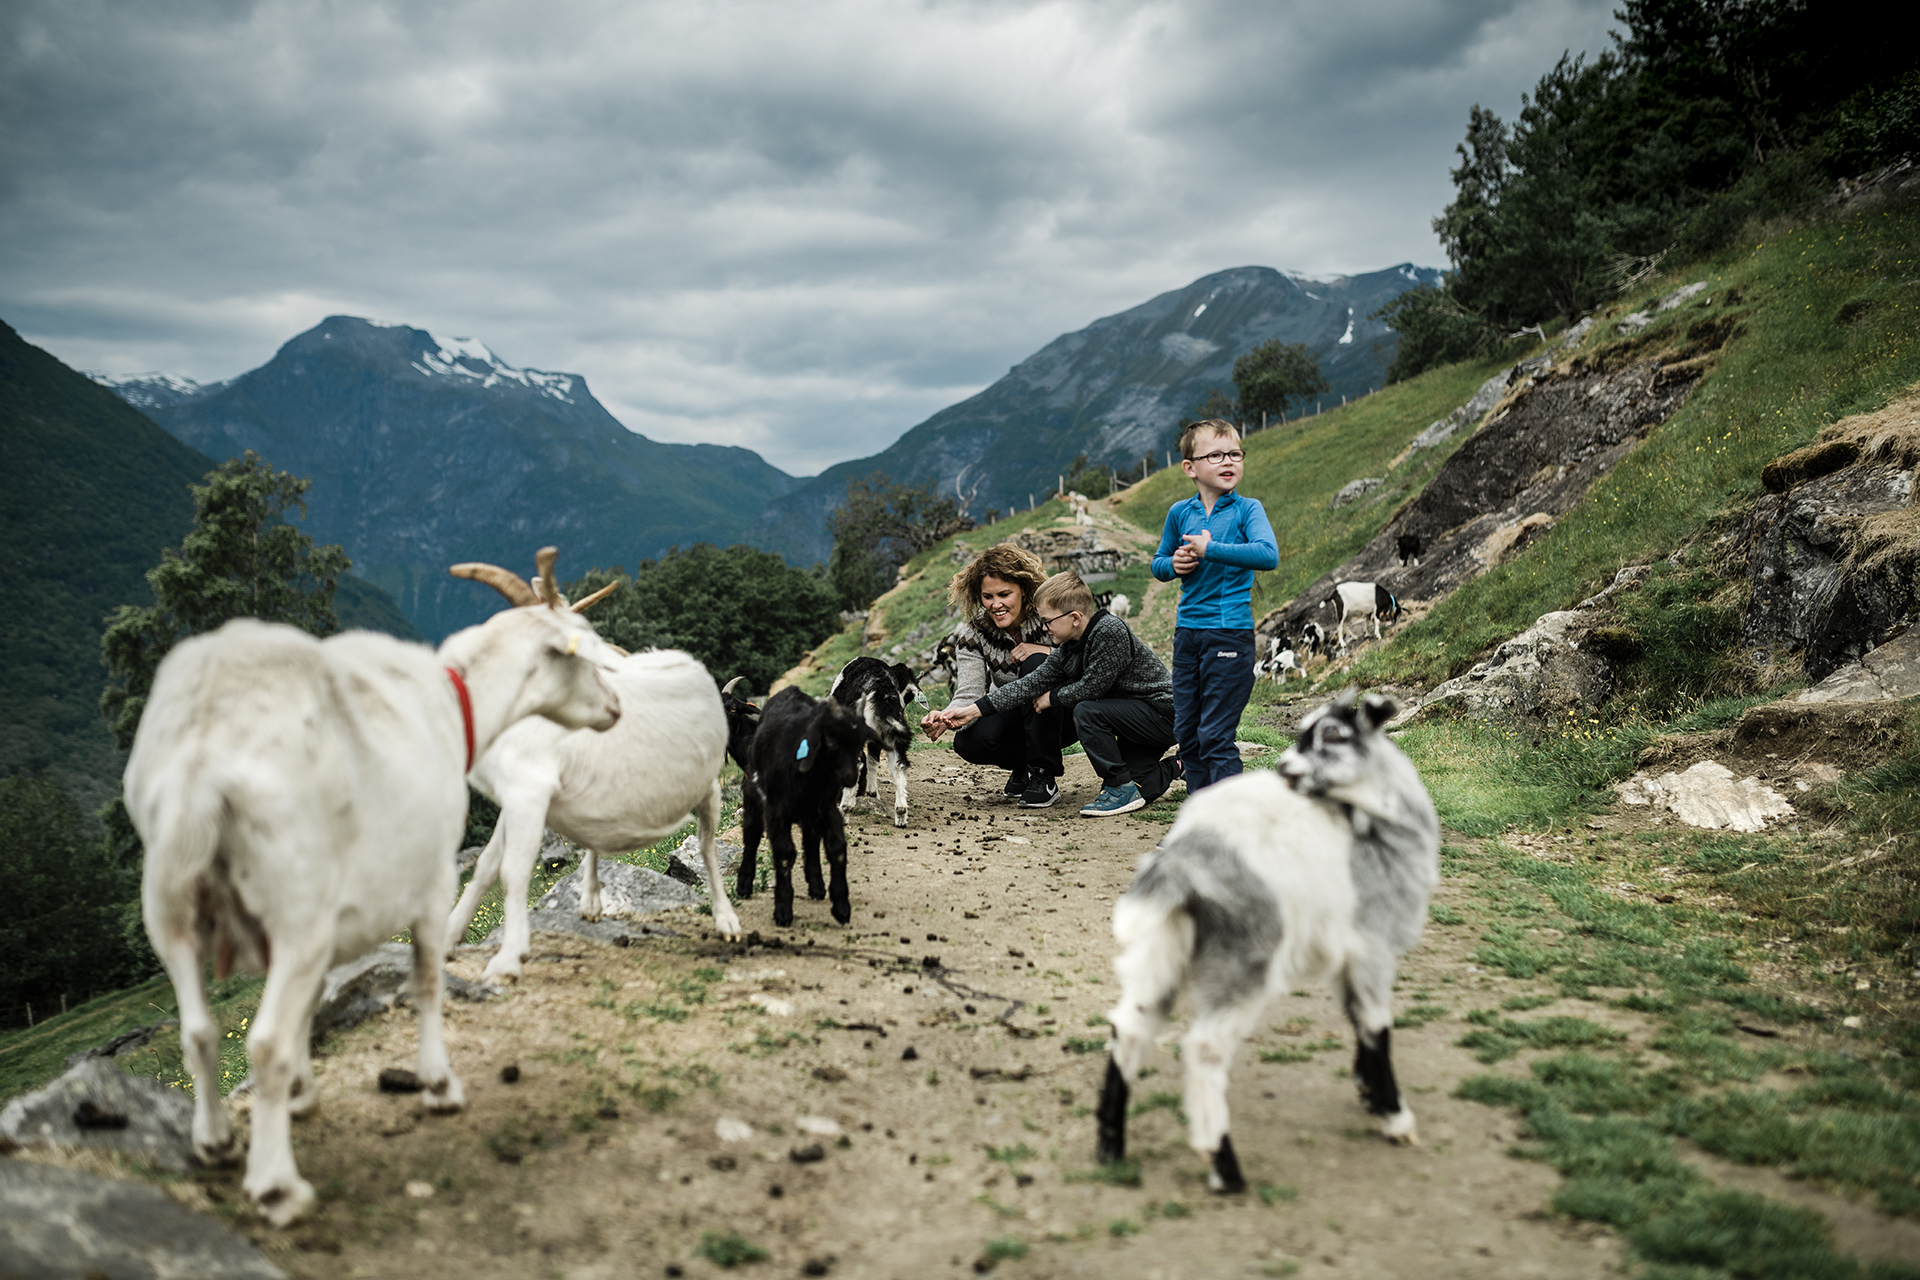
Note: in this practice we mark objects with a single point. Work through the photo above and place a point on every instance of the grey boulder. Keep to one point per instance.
(62, 1223)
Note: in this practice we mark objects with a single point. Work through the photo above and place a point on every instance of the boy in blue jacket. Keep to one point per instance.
(1213, 542)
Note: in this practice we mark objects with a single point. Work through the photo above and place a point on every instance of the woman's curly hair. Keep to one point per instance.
(1002, 560)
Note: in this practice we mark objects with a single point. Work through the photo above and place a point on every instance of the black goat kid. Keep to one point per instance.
(804, 754)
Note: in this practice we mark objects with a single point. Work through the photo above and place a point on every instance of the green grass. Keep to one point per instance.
(728, 1249)
(1296, 469)
(31, 1057)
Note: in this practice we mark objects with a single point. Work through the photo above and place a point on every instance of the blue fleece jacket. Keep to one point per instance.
(1218, 596)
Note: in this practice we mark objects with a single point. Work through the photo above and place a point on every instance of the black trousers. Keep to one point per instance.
(1125, 739)
(1018, 737)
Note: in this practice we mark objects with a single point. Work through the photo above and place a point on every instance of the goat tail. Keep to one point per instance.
(181, 825)
(185, 891)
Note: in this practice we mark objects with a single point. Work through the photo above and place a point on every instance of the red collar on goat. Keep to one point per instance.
(466, 710)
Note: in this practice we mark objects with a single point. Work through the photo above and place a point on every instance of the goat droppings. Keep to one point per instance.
(910, 1054)
(510, 1074)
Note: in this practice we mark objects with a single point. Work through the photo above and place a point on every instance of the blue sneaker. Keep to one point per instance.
(1111, 800)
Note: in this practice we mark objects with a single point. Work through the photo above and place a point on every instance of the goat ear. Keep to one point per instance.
(1378, 708)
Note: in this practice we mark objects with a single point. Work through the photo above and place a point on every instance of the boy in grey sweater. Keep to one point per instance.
(1119, 693)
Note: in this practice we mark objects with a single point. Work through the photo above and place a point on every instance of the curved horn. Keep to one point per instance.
(549, 589)
(727, 688)
(580, 606)
(505, 581)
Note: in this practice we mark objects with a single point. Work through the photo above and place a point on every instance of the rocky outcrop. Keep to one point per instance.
(67, 1222)
(1890, 671)
(1834, 548)
(374, 983)
(1641, 319)
(98, 1105)
(1354, 490)
(1545, 672)
(1555, 430)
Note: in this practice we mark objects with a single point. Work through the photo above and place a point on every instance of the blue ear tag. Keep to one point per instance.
(801, 754)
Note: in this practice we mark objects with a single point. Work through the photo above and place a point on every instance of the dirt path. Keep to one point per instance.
(949, 1024)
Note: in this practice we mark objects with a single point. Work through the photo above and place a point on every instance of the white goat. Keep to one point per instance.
(1281, 662)
(1120, 607)
(1362, 600)
(1322, 866)
(301, 801)
(607, 792)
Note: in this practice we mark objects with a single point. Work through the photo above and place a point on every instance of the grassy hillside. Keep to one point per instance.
(93, 490)
(1830, 326)
(1295, 470)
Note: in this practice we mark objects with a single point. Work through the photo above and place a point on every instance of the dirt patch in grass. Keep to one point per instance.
(1789, 740)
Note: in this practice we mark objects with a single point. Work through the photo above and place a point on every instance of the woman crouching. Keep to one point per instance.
(999, 640)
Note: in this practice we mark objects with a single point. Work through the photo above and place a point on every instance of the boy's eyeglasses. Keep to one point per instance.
(1219, 456)
(1047, 622)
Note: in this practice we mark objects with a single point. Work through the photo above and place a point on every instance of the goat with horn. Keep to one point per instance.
(607, 792)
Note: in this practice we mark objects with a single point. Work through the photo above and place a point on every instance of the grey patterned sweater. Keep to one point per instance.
(1107, 661)
(984, 655)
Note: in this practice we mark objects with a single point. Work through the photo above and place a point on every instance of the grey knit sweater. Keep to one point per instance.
(1107, 661)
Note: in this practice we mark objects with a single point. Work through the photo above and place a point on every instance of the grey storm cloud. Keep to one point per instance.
(799, 228)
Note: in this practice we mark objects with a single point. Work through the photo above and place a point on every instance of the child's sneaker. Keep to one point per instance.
(1041, 792)
(1017, 782)
(1111, 800)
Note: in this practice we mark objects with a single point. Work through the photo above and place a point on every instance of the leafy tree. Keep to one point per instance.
(68, 898)
(240, 560)
(741, 611)
(1090, 478)
(880, 527)
(1434, 330)
(1274, 373)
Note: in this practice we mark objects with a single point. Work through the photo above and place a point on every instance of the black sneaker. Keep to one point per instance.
(1041, 792)
(1017, 782)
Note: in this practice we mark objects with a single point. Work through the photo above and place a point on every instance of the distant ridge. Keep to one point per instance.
(425, 451)
(1116, 389)
(90, 491)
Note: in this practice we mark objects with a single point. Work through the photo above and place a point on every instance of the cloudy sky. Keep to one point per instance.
(797, 227)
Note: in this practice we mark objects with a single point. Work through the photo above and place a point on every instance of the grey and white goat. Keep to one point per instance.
(878, 692)
(1319, 867)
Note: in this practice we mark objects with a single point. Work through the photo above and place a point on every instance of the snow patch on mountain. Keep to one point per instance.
(471, 358)
(1186, 348)
(1346, 339)
(152, 390)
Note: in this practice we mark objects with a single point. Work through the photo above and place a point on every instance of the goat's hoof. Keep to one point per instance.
(899, 817)
(216, 1154)
(444, 1098)
(1400, 1129)
(501, 969)
(842, 912)
(816, 894)
(728, 925)
(283, 1204)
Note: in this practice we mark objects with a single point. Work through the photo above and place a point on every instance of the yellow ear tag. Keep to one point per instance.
(573, 644)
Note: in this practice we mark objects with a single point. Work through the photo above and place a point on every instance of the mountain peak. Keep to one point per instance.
(152, 390)
(433, 356)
